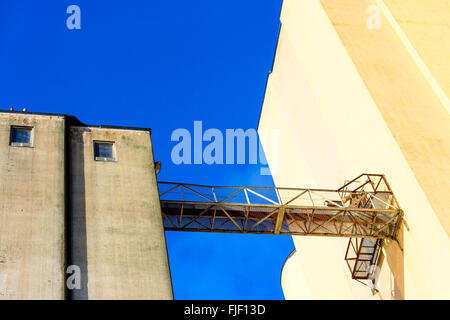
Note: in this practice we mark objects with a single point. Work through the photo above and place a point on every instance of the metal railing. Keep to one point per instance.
(365, 207)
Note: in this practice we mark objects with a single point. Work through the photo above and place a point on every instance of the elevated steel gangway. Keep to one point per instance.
(363, 209)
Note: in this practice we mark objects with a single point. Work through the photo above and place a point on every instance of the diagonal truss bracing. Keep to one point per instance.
(365, 207)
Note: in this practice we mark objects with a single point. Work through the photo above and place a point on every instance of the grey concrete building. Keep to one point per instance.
(84, 196)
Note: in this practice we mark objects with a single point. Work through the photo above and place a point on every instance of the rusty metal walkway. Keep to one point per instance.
(364, 207)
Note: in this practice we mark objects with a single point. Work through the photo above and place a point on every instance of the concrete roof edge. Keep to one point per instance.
(74, 121)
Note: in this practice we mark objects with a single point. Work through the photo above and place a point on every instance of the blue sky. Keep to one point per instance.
(159, 64)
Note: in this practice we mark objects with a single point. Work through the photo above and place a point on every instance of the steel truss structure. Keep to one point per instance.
(363, 209)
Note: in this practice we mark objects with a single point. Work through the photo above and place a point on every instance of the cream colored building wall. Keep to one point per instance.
(32, 209)
(411, 108)
(118, 236)
(332, 129)
(426, 25)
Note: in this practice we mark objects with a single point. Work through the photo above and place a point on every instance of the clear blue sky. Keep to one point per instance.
(159, 64)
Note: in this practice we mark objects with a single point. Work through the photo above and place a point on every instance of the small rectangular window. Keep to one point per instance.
(21, 136)
(104, 151)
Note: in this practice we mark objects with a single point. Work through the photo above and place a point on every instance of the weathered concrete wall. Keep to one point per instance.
(346, 100)
(117, 233)
(32, 210)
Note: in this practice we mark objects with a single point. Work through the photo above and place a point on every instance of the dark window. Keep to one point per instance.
(104, 151)
(21, 136)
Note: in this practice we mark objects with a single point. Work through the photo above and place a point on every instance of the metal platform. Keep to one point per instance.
(364, 208)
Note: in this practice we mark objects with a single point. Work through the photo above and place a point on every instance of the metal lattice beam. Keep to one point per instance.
(365, 207)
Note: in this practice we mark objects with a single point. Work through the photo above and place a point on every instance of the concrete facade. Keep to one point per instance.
(32, 209)
(347, 97)
(61, 206)
(117, 231)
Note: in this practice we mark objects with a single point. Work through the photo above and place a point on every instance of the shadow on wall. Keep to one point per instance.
(396, 261)
(77, 254)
